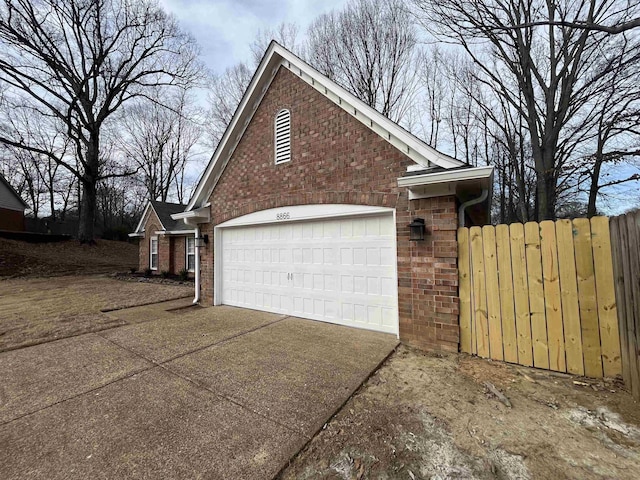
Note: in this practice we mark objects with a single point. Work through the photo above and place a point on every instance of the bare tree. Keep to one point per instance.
(286, 34)
(224, 96)
(159, 140)
(547, 74)
(625, 17)
(77, 62)
(369, 48)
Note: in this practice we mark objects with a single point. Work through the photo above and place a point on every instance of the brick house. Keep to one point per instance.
(12, 208)
(165, 244)
(308, 201)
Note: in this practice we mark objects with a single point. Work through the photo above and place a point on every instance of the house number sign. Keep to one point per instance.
(283, 216)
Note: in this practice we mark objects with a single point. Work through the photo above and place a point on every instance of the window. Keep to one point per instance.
(283, 136)
(153, 253)
(191, 254)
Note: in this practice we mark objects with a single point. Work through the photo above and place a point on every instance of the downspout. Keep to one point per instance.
(196, 297)
(474, 201)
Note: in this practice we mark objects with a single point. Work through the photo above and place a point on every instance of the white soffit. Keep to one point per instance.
(444, 183)
(277, 56)
(458, 175)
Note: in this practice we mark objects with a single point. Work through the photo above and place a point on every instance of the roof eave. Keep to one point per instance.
(274, 57)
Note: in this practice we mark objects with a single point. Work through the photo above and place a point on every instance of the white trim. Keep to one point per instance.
(174, 232)
(151, 240)
(476, 173)
(141, 222)
(193, 217)
(300, 213)
(277, 56)
(136, 235)
(186, 253)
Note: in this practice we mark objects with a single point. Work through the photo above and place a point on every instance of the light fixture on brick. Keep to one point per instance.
(417, 230)
(202, 241)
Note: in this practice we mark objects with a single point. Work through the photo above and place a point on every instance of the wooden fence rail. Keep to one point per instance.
(541, 294)
(625, 242)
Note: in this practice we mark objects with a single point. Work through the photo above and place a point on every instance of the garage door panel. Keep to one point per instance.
(340, 270)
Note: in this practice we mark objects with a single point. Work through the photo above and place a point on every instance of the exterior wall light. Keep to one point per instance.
(417, 230)
(202, 241)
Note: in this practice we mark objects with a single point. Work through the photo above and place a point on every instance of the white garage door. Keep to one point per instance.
(340, 270)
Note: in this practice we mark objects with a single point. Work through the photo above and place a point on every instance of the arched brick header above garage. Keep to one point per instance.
(337, 159)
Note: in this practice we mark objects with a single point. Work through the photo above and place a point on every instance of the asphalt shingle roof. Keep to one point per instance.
(165, 210)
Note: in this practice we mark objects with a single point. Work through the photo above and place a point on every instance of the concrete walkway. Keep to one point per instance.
(218, 392)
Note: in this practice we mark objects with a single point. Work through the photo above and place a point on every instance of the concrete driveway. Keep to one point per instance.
(218, 392)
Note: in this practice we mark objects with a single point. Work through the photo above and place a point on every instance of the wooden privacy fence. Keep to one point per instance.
(625, 242)
(540, 294)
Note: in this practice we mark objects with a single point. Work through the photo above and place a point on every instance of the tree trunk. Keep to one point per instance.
(86, 232)
(545, 186)
(593, 188)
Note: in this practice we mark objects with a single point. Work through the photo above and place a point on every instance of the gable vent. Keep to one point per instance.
(283, 136)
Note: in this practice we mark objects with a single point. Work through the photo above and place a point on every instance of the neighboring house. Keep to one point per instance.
(12, 208)
(308, 201)
(166, 245)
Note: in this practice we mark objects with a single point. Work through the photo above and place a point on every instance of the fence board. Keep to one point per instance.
(553, 305)
(521, 295)
(618, 275)
(507, 311)
(536, 296)
(635, 262)
(479, 292)
(464, 269)
(632, 273)
(587, 298)
(569, 297)
(607, 312)
(493, 293)
(546, 295)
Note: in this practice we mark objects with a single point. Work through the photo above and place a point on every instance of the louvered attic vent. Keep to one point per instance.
(283, 136)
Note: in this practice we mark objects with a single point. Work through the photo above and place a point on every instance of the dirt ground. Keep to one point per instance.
(37, 310)
(427, 416)
(20, 259)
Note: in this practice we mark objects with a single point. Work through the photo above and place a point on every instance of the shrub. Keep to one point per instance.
(133, 270)
(147, 272)
(165, 274)
(183, 274)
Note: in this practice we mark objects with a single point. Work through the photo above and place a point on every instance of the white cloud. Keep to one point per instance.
(225, 29)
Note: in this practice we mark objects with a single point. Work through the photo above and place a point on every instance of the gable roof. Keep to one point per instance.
(12, 191)
(276, 57)
(163, 211)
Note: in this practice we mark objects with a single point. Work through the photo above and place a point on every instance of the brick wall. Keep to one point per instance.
(336, 159)
(179, 254)
(11, 220)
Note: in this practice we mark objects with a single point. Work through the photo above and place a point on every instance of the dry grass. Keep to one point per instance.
(38, 310)
(20, 259)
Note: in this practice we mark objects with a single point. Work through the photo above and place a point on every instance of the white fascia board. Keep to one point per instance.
(144, 215)
(407, 143)
(192, 217)
(277, 56)
(467, 174)
(175, 232)
(230, 134)
(136, 235)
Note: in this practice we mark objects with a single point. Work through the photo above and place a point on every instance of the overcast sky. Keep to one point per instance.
(225, 29)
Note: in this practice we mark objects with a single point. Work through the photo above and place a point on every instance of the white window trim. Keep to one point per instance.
(275, 137)
(151, 240)
(186, 258)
